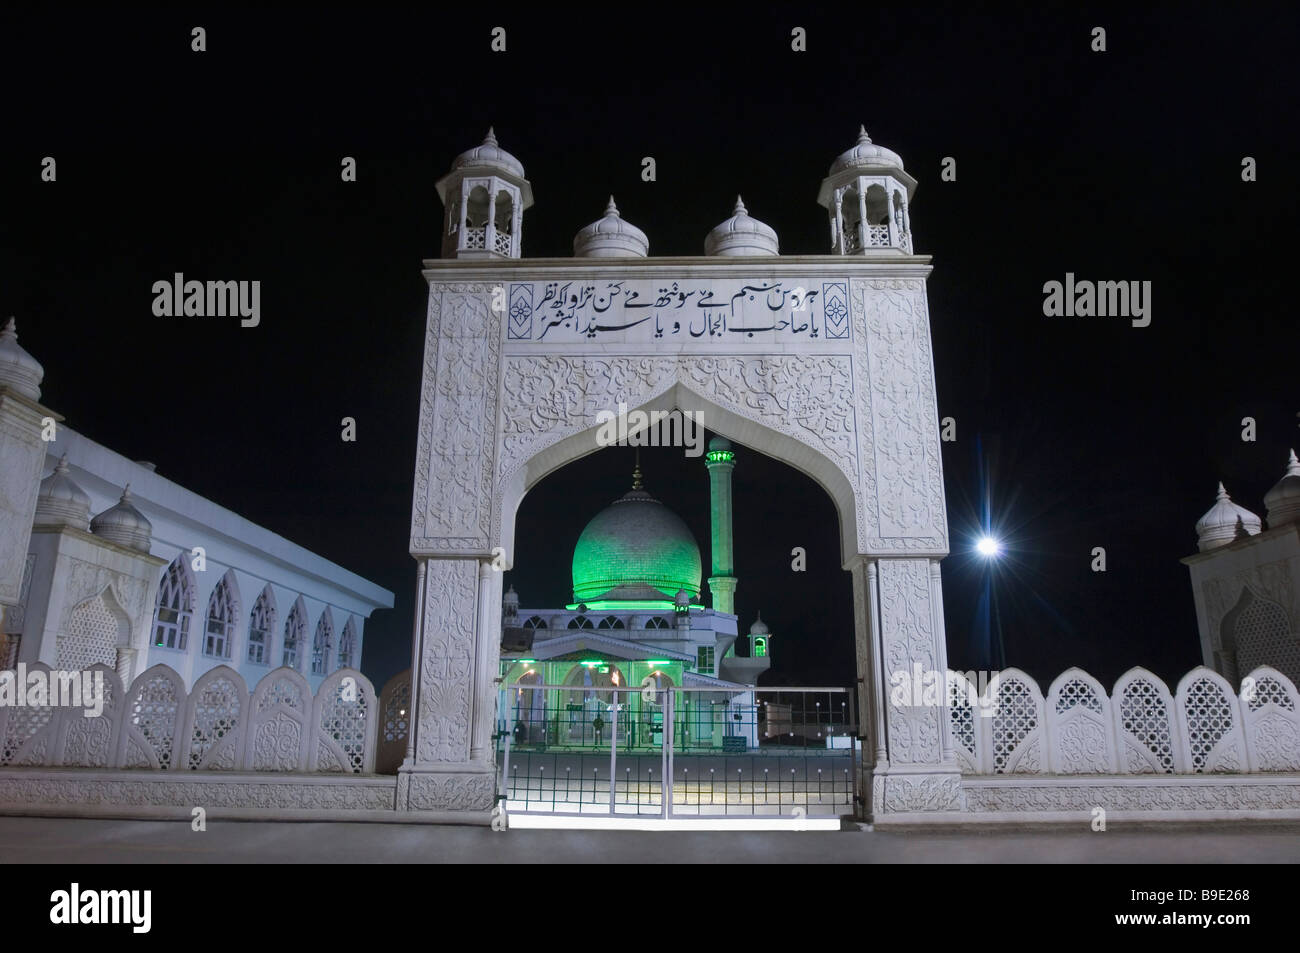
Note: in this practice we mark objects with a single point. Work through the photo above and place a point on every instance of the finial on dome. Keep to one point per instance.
(862, 135)
(491, 138)
(1222, 495)
(62, 465)
(636, 473)
(1293, 465)
(11, 328)
(740, 207)
(611, 208)
(126, 493)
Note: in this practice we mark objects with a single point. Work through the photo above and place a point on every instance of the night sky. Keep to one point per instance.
(1122, 165)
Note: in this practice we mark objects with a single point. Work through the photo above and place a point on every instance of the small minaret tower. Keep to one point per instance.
(866, 193)
(721, 460)
(485, 195)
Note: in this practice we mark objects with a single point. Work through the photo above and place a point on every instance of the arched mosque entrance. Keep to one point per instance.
(855, 412)
(821, 361)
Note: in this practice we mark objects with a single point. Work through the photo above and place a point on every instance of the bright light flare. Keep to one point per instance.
(988, 547)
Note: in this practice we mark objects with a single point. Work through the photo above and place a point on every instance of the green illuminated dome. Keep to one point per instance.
(636, 548)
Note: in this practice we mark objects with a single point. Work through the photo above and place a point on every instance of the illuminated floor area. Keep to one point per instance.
(59, 841)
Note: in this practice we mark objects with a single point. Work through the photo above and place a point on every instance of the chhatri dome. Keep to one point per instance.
(636, 549)
(1283, 501)
(611, 237)
(1224, 522)
(741, 235)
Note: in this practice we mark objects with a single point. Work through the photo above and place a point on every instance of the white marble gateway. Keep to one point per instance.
(822, 361)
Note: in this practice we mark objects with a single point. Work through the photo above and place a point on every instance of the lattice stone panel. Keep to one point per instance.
(280, 723)
(1080, 733)
(345, 723)
(1210, 716)
(395, 723)
(90, 637)
(153, 715)
(1145, 725)
(1270, 713)
(1017, 731)
(92, 742)
(1263, 636)
(216, 708)
(962, 717)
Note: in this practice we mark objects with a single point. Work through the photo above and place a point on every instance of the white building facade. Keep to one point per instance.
(128, 569)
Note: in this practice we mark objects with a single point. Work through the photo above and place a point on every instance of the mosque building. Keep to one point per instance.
(637, 619)
(103, 560)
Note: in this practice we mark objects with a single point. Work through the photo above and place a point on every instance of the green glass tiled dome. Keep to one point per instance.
(636, 548)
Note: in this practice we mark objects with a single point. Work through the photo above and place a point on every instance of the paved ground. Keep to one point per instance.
(69, 841)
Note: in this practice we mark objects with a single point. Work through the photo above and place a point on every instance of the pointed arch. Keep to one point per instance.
(825, 454)
(223, 611)
(94, 631)
(261, 627)
(1257, 631)
(348, 644)
(175, 606)
(295, 635)
(322, 643)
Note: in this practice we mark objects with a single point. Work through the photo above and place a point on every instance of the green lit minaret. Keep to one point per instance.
(721, 460)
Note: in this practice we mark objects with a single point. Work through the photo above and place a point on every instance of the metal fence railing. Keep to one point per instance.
(662, 751)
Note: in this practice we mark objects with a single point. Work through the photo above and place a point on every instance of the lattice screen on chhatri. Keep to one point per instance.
(90, 636)
(1263, 637)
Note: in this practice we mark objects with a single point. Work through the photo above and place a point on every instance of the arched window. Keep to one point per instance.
(580, 622)
(505, 209)
(1257, 632)
(851, 215)
(877, 205)
(348, 644)
(611, 622)
(657, 623)
(295, 633)
(223, 609)
(477, 208)
(535, 622)
(260, 626)
(322, 643)
(175, 606)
